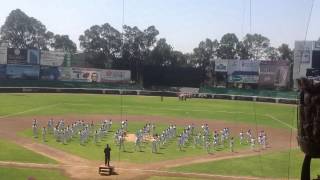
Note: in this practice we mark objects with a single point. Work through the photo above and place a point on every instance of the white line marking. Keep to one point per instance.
(184, 173)
(29, 110)
(276, 119)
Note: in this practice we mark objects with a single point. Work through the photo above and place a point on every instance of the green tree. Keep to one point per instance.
(161, 55)
(243, 51)
(22, 31)
(190, 59)
(137, 47)
(254, 46)
(102, 44)
(164, 55)
(203, 54)
(285, 52)
(179, 59)
(205, 51)
(228, 46)
(64, 42)
(272, 53)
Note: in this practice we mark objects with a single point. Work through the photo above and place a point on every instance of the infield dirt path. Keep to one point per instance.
(79, 168)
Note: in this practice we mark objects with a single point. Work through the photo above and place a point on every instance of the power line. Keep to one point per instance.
(250, 16)
(309, 19)
(243, 16)
(306, 33)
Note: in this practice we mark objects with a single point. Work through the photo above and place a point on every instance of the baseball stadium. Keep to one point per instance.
(122, 103)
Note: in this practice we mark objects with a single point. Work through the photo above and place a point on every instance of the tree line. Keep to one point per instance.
(133, 48)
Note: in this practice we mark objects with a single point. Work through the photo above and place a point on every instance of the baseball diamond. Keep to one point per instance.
(159, 90)
(168, 139)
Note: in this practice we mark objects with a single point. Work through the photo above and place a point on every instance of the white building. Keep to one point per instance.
(306, 56)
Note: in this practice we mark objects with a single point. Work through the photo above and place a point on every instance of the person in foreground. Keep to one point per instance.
(107, 155)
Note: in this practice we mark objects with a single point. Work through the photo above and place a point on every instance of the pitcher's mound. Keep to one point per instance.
(132, 138)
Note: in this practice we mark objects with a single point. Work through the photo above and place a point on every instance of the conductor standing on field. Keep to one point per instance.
(107, 155)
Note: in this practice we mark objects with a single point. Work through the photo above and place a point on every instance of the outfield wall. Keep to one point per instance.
(143, 93)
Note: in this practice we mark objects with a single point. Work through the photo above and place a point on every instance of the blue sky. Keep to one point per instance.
(184, 23)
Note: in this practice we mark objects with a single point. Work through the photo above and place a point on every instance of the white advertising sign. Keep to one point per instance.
(93, 75)
(243, 65)
(115, 75)
(303, 56)
(221, 65)
(52, 58)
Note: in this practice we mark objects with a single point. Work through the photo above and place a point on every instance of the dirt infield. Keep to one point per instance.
(79, 168)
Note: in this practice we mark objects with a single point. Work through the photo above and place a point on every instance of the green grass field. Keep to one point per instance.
(167, 152)
(12, 152)
(275, 165)
(171, 178)
(61, 104)
(29, 105)
(25, 173)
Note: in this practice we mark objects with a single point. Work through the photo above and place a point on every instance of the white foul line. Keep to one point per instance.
(276, 119)
(196, 174)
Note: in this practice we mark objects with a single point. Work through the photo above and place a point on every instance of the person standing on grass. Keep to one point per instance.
(207, 145)
(44, 132)
(35, 130)
(231, 144)
(241, 137)
(96, 137)
(107, 155)
(252, 143)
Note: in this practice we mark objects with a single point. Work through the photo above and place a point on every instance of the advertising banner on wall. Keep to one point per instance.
(303, 56)
(49, 73)
(275, 72)
(52, 58)
(282, 76)
(17, 56)
(85, 75)
(242, 65)
(2, 71)
(93, 75)
(249, 65)
(33, 56)
(3, 55)
(238, 78)
(233, 65)
(109, 75)
(65, 74)
(266, 74)
(79, 74)
(221, 65)
(22, 71)
(266, 80)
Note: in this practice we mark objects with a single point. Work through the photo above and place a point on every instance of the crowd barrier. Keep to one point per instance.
(144, 93)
